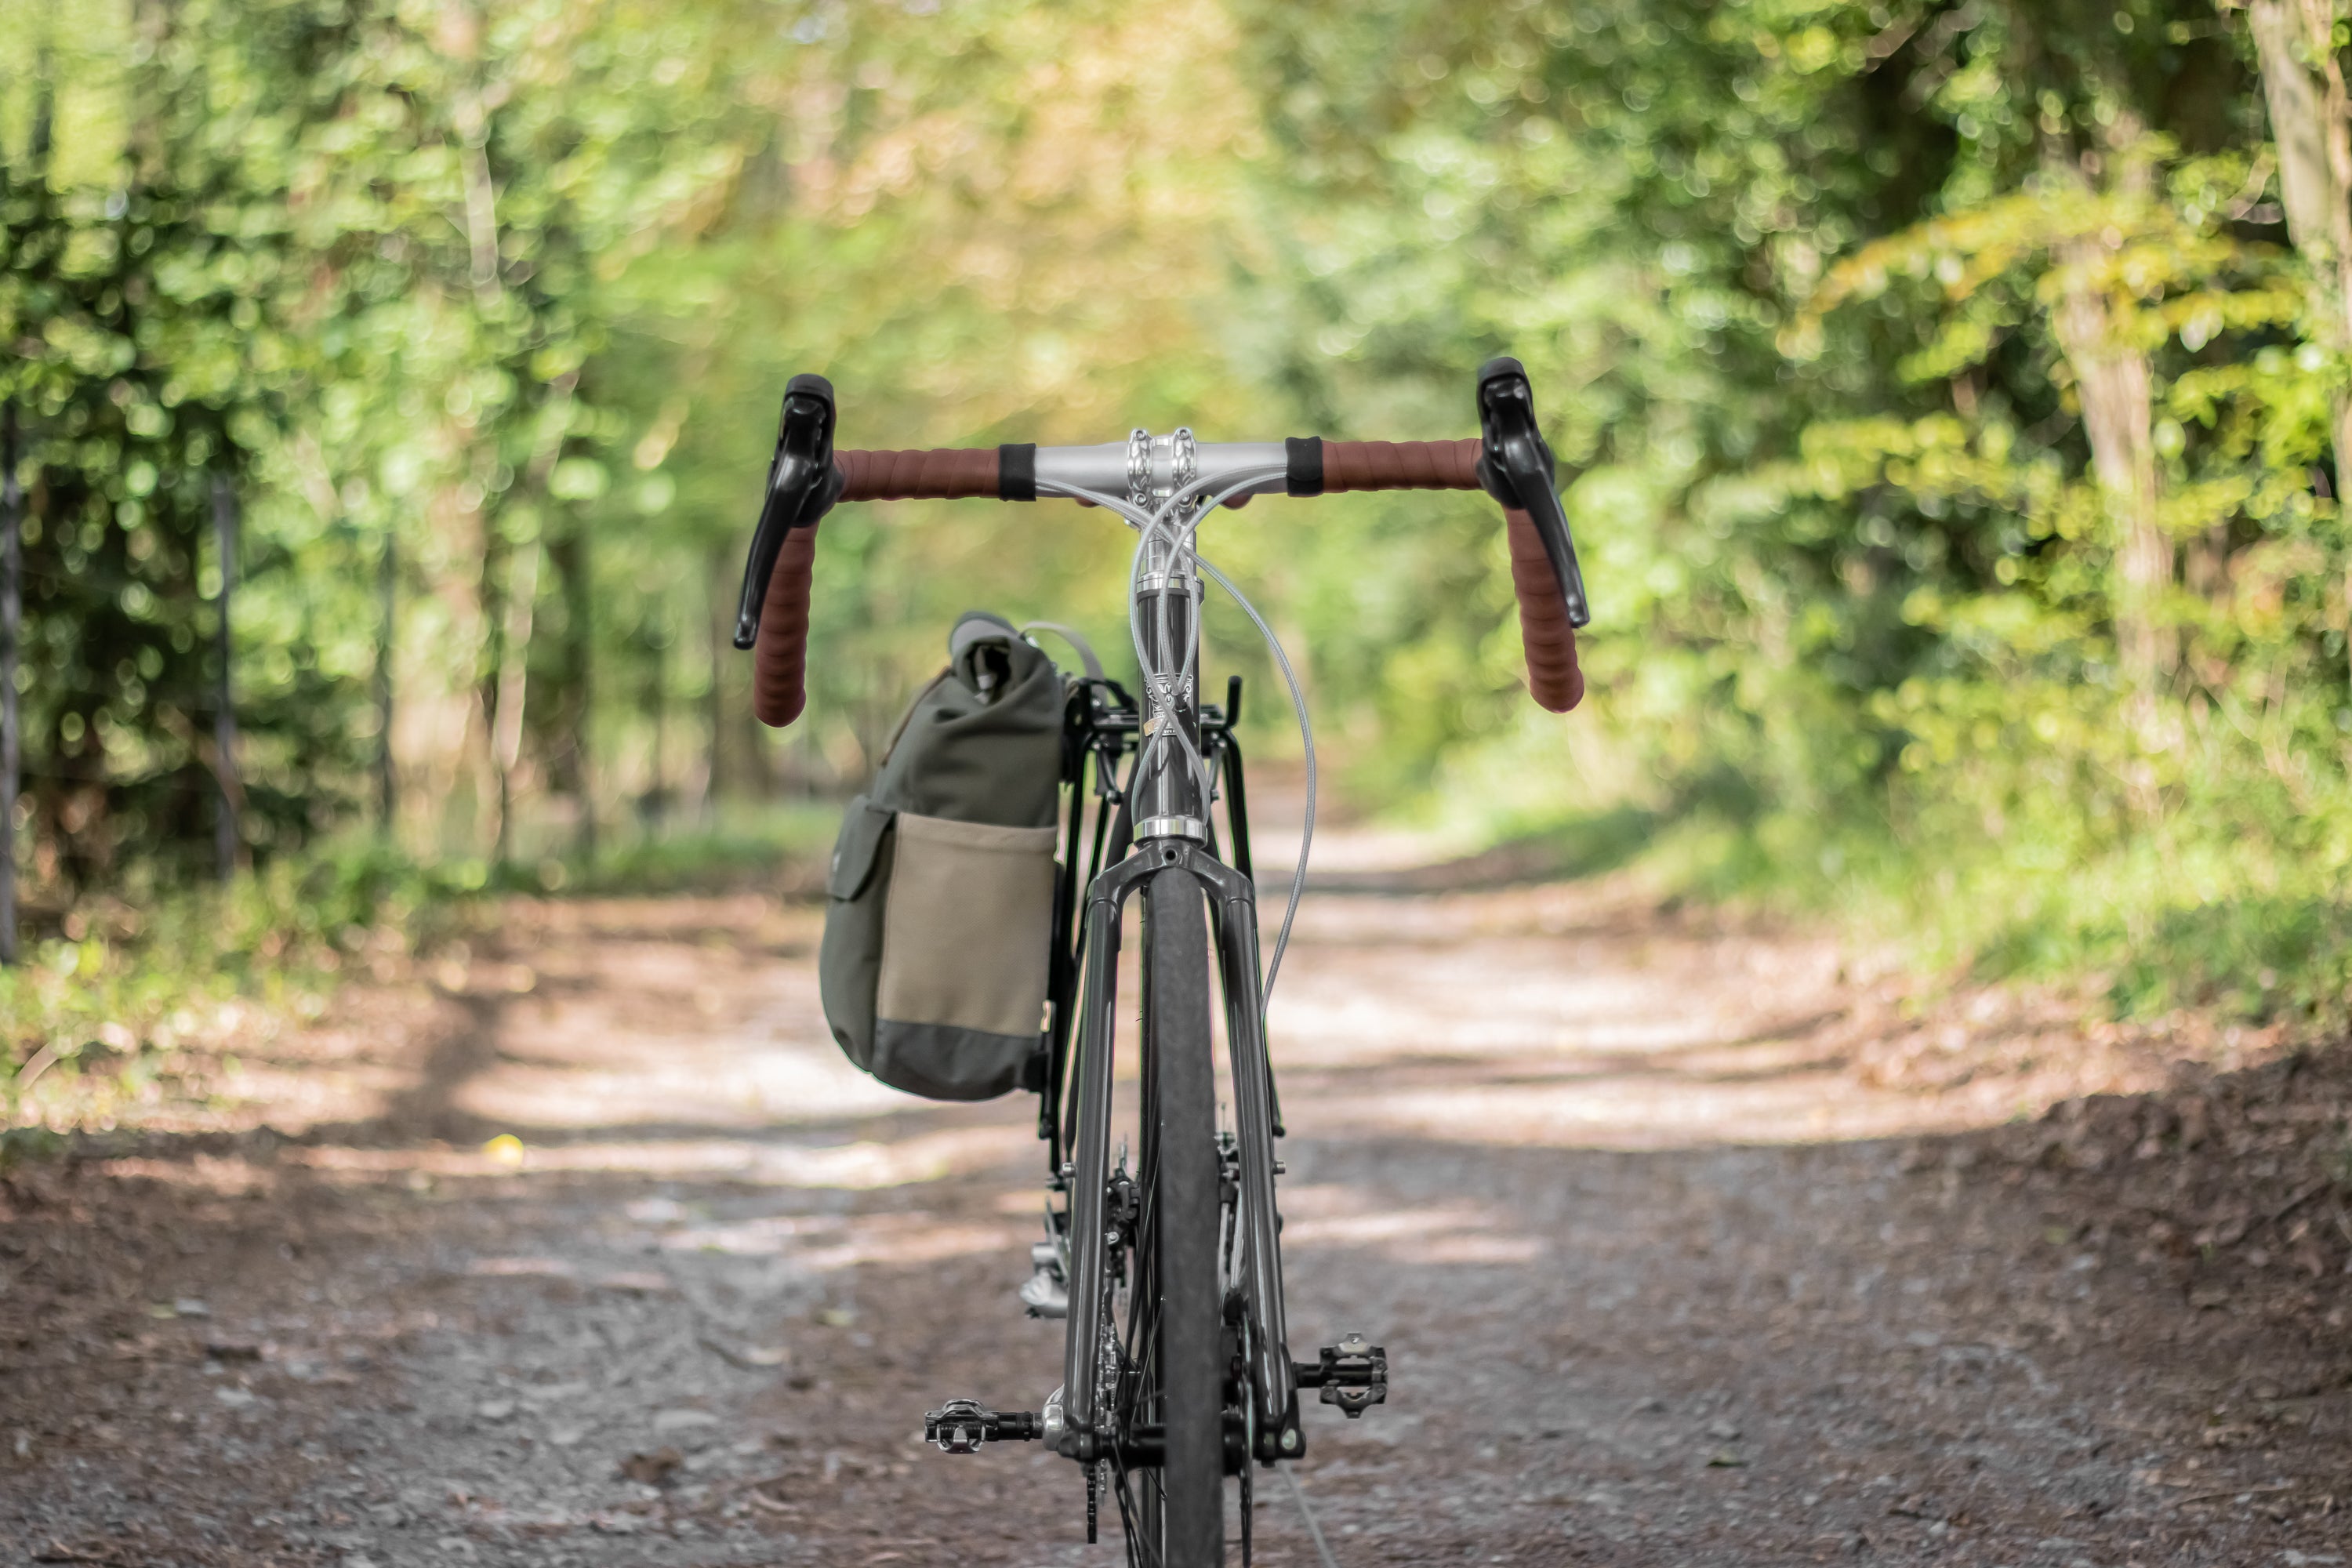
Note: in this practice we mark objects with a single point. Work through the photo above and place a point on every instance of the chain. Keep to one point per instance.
(1107, 1357)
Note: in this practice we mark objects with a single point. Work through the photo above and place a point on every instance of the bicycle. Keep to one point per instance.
(1176, 1367)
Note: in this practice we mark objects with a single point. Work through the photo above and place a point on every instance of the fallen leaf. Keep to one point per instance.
(652, 1470)
(58, 1552)
(520, 1268)
(751, 1358)
(2241, 1494)
(637, 1284)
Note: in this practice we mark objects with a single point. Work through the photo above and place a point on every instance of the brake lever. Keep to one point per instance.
(1514, 467)
(803, 485)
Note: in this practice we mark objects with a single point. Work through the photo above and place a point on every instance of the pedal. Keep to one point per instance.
(1352, 1375)
(1047, 1292)
(965, 1425)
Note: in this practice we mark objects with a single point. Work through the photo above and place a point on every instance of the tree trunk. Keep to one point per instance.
(387, 789)
(576, 774)
(514, 668)
(656, 806)
(2311, 122)
(490, 656)
(521, 608)
(12, 567)
(228, 843)
(2116, 388)
(719, 619)
(739, 761)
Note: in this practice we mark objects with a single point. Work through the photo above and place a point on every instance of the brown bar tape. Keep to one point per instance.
(1553, 677)
(1400, 464)
(780, 659)
(944, 473)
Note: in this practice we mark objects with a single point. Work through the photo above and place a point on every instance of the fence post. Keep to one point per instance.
(225, 826)
(12, 604)
(387, 592)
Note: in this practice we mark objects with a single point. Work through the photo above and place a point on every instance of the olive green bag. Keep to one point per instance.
(938, 928)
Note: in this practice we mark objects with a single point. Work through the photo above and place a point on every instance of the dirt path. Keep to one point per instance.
(1687, 1248)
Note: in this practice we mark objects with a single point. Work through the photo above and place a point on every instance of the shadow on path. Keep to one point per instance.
(1634, 1318)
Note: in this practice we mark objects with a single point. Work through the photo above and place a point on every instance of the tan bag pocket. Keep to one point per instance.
(967, 933)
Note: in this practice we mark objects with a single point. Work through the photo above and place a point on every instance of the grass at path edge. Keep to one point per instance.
(103, 1008)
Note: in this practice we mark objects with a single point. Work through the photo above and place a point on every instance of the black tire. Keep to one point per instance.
(1181, 1157)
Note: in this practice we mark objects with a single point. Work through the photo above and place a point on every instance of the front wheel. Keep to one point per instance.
(1183, 1516)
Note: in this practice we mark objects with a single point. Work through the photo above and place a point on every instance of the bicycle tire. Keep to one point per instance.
(1183, 1167)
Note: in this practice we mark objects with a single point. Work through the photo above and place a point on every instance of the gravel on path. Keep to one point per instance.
(1689, 1243)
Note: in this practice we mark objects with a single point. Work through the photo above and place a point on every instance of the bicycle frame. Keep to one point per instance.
(1167, 808)
(1159, 824)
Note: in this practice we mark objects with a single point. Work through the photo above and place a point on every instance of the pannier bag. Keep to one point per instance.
(938, 928)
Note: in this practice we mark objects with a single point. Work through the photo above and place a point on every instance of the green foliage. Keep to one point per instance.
(759, 849)
(1812, 293)
(111, 1000)
(148, 369)
(1945, 409)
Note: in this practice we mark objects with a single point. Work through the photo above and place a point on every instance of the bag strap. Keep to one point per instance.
(1085, 650)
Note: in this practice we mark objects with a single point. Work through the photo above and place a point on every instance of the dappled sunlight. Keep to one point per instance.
(403, 1162)
(1572, 1015)
(691, 1044)
(1458, 1017)
(733, 1080)
(223, 1177)
(670, 1032)
(1629, 1113)
(823, 1242)
(591, 1243)
(859, 1166)
(1322, 1216)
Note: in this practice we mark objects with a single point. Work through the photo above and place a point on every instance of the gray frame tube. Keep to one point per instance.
(1235, 903)
(1103, 469)
(1090, 1067)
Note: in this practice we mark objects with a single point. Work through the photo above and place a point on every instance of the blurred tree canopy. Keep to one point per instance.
(1951, 399)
